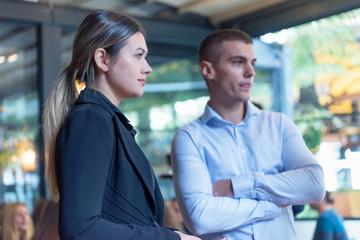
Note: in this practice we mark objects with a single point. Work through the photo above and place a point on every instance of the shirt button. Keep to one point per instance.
(243, 151)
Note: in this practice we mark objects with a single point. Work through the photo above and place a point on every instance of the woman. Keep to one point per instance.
(16, 222)
(106, 187)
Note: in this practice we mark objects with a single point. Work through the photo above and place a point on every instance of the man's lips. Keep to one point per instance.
(246, 85)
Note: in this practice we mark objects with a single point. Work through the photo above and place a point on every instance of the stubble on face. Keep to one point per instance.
(234, 71)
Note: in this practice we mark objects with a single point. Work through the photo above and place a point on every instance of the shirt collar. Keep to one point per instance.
(210, 113)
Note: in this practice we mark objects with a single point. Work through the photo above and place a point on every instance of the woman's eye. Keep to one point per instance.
(139, 55)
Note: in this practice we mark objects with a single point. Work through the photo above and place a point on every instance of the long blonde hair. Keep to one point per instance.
(10, 230)
(100, 29)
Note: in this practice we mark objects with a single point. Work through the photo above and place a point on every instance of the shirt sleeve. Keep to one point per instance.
(202, 212)
(84, 149)
(301, 181)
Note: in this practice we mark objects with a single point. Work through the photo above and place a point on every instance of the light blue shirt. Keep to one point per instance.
(269, 166)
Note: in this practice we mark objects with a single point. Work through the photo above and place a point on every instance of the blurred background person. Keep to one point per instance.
(17, 223)
(46, 227)
(39, 210)
(171, 218)
(329, 225)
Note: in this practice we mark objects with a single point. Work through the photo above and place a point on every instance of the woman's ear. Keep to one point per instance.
(101, 59)
(207, 70)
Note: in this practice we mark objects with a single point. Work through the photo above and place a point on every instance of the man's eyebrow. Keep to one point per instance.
(241, 57)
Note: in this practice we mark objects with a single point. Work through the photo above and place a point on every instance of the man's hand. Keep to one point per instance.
(223, 188)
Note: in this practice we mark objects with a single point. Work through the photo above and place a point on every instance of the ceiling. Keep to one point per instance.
(216, 11)
(256, 17)
(174, 27)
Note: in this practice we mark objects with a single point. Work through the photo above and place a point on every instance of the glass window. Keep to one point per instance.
(19, 114)
(326, 90)
(261, 93)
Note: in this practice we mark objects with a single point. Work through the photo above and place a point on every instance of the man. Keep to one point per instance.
(238, 169)
(329, 225)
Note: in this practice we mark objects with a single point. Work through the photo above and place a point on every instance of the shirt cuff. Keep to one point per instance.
(243, 186)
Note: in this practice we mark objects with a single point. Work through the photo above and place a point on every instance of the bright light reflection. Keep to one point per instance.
(189, 110)
(268, 38)
(160, 117)
(29, 160)
(2, 59)
(12, 58)
(280, 37)
(133, 118)
(329, 159)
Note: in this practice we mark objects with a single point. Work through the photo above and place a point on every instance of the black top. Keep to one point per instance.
(106, 185)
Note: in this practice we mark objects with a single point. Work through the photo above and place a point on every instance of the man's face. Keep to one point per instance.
(234, 73)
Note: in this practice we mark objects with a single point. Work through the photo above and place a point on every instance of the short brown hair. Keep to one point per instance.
(207, 51)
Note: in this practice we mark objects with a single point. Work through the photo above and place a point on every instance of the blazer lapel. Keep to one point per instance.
(136, 157)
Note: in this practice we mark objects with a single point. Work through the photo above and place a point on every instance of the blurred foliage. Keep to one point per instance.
(309, 120)
(307, 213)
(330, 36)
(186, 70)
(320, 48)
(149, 100)
(173, 72)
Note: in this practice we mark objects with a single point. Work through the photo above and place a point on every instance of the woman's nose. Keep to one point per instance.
(146, 68)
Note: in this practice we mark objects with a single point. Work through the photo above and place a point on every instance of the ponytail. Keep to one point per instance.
(58, 104)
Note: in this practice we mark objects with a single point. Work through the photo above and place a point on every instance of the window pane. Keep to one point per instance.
(19, 111)
(326, 90)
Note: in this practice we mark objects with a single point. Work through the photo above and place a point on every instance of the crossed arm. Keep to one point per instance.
(243, 199)
(203, 212)
(301, 182)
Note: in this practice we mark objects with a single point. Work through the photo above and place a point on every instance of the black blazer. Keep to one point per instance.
(107, 187)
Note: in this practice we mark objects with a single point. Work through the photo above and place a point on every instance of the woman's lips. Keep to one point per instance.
(142, 81)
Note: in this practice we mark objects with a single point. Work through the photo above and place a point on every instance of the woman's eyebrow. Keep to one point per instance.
(141, 49)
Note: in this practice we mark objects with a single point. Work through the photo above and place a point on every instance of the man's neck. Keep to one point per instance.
(234, 113)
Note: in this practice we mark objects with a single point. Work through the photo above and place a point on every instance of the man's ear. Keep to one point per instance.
(101, 59)
(207, 70)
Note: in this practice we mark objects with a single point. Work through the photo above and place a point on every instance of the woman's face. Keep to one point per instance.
(22, 217)
(126, 75)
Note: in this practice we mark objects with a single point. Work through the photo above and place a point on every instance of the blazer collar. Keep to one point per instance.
(90, 95)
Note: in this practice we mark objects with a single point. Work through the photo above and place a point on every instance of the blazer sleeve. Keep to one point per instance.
(84, 149)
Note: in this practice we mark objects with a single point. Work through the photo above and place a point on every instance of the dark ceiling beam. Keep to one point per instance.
(24, 11)
(158, 31)
(288, 14)
(67, 17)
(174, 33)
